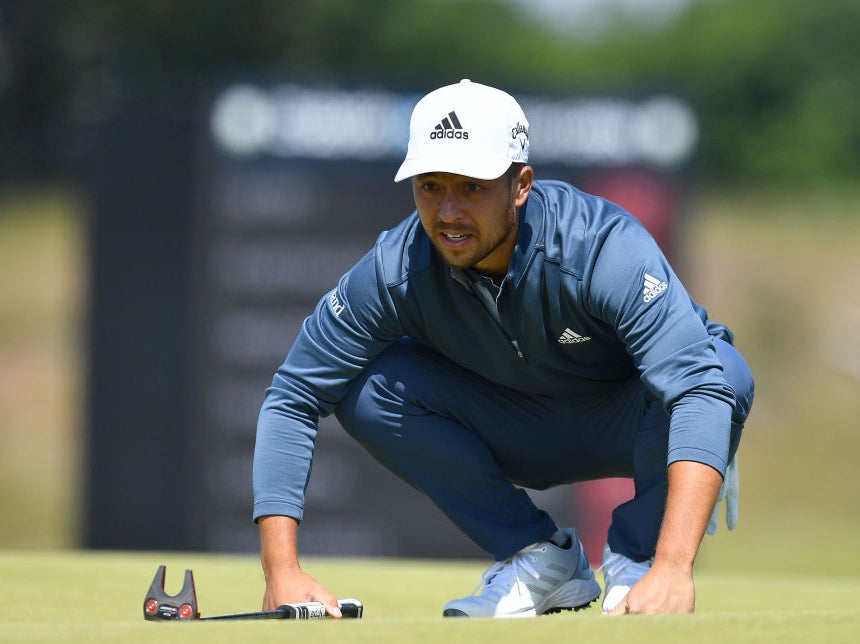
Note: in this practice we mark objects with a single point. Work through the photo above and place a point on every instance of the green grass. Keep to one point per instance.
(98, 597)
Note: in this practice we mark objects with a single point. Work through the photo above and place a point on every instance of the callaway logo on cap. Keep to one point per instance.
(468, 129)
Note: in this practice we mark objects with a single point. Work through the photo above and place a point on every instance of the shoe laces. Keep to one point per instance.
(617, 563)
(509, 568)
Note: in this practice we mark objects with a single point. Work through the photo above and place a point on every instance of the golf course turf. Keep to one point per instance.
(91, 597)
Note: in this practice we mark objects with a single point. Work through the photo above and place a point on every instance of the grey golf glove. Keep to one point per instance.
(729, 491)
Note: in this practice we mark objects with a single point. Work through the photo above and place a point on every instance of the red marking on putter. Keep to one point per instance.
(159, 605)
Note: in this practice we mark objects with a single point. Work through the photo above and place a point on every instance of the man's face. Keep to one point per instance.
(473, 223)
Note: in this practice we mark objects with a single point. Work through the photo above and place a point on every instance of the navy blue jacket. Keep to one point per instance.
(589, 302)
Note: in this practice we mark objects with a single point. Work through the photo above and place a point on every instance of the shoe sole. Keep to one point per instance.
(453, 612)
(559, 609)
(456, 612)
(575, 595)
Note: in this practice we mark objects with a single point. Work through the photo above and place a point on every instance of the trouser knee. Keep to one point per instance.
(383, 414)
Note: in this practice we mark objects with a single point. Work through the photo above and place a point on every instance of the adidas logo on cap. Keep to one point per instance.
(449, 128)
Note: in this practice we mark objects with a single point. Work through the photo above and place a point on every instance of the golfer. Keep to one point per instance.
(512, 333)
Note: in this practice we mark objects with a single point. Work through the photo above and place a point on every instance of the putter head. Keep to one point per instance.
(159, 606)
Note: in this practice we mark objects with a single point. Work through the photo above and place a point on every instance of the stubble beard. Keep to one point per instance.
(480, 254)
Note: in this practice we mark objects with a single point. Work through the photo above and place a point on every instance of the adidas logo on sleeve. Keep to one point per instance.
(654, 287)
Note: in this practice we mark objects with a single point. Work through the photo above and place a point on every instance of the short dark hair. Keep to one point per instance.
(514, 171)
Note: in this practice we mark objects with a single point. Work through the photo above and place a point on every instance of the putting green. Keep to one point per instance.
(92, 597)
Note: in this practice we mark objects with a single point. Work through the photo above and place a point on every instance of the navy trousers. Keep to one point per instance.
(471, 445)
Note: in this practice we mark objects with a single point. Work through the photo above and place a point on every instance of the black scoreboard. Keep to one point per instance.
(212, 238)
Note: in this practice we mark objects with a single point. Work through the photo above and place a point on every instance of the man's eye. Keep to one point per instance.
(472, 187)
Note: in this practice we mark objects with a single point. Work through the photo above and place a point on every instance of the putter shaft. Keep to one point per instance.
(349, 608)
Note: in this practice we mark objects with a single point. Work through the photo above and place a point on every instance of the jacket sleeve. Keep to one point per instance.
(348, 328)
(633, 288)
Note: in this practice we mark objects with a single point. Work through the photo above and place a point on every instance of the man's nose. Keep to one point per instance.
(449, 208)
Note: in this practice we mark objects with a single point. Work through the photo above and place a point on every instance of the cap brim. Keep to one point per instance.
(484, 169)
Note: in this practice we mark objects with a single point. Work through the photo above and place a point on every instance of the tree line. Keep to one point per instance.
(775, 82)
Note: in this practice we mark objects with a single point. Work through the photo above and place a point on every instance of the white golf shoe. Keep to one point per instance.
(541, 578)
(619, 575)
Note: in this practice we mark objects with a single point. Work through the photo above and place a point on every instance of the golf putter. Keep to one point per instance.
(159, 606)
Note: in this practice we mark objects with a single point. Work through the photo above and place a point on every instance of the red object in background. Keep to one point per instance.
(594, 502)
(652, 199)
(647, 195)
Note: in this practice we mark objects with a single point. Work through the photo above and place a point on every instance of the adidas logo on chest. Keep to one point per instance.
(571, 337)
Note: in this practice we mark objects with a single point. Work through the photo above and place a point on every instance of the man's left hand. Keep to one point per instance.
(663, 589)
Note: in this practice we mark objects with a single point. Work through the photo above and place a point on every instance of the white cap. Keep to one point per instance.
(468, 129)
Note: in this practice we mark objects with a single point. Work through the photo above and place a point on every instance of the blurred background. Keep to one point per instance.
(180, 181)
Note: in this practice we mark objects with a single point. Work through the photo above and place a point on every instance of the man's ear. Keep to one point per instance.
(523, 185)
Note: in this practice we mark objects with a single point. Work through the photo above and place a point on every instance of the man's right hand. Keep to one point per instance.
(294, 587)
(286, 582)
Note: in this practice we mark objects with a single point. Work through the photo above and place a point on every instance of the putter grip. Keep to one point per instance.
(349, 608)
